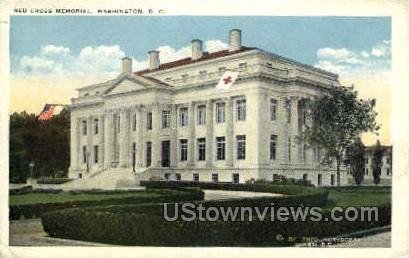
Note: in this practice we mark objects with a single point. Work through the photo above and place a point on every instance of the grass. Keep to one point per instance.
(358, 196)
(34, 198)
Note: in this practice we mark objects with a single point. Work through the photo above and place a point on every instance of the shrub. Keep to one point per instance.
(256, 187)
(37, 209)
(22, 190)
(145, 225)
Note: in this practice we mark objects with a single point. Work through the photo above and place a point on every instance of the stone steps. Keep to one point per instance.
(113, 178)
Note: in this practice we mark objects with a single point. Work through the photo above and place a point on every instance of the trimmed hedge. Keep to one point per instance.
(287, 189)
(167, 195)
(145, 225)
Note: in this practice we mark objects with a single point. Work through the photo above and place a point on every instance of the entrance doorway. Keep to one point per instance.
(165, 154)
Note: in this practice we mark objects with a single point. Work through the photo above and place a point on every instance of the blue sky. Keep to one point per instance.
(299, 38)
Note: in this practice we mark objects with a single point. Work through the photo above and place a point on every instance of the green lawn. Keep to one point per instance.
(358, 196)
(34, 198)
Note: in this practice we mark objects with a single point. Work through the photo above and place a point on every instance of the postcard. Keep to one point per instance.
(169, 128)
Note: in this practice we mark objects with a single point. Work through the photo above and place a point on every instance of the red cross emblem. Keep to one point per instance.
(227, 80)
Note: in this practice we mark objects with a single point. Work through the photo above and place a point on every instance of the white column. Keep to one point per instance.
(90, 140)
(140, 143)
(156, 127)
(282, 140)
(295, 150)
(209, 134)
(229, 133)
(74, 141)
(173, 137)
(123, 136)
(109, 143)
(192, 138)
(101, 134)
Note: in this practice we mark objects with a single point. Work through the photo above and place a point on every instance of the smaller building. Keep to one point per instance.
(386, 170)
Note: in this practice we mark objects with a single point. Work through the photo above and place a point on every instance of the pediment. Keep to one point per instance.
(124, 86)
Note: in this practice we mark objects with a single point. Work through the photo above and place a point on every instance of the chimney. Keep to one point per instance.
(197, 51)
(126, 65)
(154, 61)
(234, 39)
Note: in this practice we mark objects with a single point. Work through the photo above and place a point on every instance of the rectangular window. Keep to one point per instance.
(149, 120)
(241, 109)
(220, 148)
(236, 178)
(388, 161)
(241, 146)
(96, 149)
(201, 149)
(183, 149)
(84, 127)
(332, 179)
(388, 171)
(305, 177)
(178, 177)
(201, 114)
(196, 177)
(134, 122)
(96, 129)
(148, 154)
(215, 178)
(273, 109)
(288, 108)
(273, 146)
(304, 115)
(220, 112)
(84, 154)
(275, 177)
(183, 116)
(366, 171)
(165, 119)
(242, 67)
(319, 179)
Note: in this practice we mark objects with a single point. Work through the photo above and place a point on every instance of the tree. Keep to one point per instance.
(337, 118)
(355, 158)
(377, 162)
(44, 143)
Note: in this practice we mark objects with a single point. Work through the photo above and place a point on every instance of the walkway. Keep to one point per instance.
(223, 195)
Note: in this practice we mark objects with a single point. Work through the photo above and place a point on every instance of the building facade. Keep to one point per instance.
(170, 121)
(386, 169)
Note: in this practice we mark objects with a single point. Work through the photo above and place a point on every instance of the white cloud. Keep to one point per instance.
(215, 45)
(53, 60)
(347, 62)
(55, 50)
(101, 59)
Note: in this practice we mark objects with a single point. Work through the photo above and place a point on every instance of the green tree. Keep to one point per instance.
(44, 143)
(355, 158)
(337, 118)
(377, 162)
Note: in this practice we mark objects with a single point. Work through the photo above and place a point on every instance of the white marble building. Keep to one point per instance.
(170, 121)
